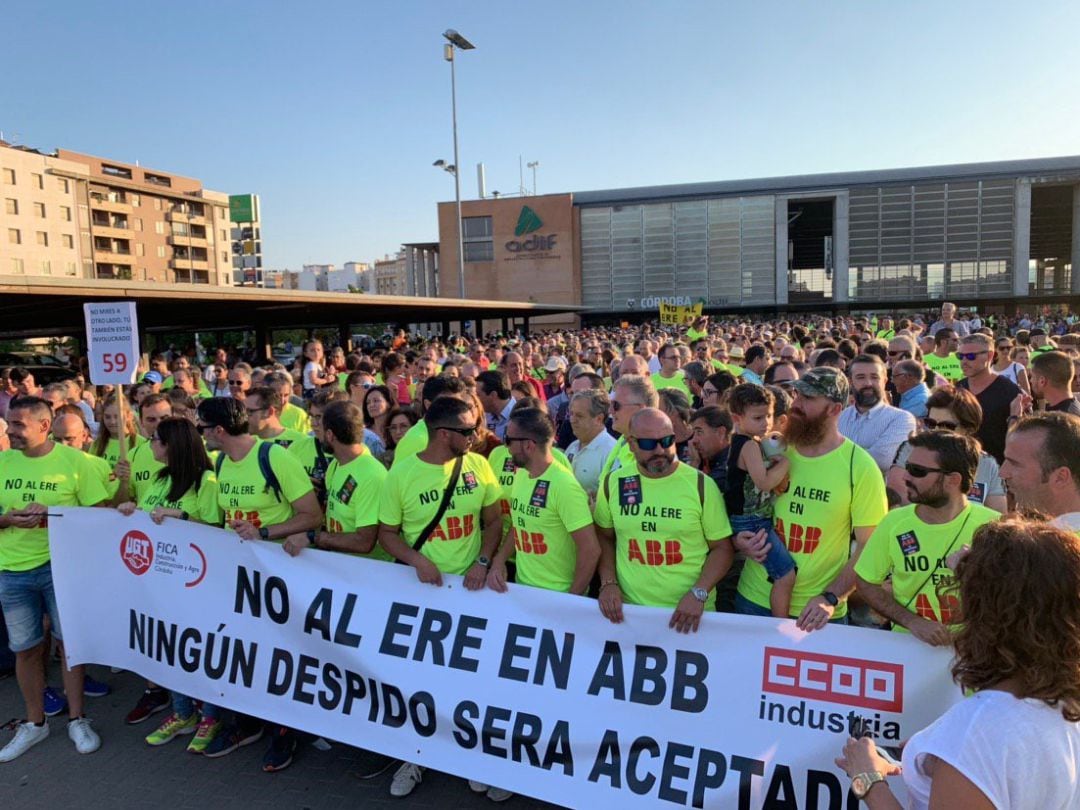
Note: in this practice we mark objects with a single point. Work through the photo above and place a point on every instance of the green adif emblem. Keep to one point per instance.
(527, 222)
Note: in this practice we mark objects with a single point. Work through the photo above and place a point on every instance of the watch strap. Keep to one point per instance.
(862, 782)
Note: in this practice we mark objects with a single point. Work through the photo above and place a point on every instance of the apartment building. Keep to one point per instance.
(151, 225)
(44, 201)
(75, 215)
(389, 275)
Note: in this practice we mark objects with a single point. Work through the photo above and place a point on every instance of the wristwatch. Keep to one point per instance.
(313, 538)
(484, 561)
(264, 533)
(862, 782)
(700, 594)
(831, 598)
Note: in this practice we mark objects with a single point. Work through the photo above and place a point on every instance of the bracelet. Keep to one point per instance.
(185, 516)
(609, 582)
(313, 538)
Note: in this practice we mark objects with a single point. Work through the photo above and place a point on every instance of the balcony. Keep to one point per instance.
(111, 257)
(188, 264)
(188, 219)
(109, 232)
(179, 240)
(104, 204)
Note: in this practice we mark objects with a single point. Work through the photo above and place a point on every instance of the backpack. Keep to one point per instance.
(268, 474)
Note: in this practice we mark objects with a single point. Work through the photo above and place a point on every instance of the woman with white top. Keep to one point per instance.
(1015, 742)
(1005, 364)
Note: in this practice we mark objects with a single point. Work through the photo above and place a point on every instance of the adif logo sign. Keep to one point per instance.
(137, 552)
(529, 222)
(873, 685)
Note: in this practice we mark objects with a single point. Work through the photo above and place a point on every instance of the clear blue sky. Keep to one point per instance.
(334, 111)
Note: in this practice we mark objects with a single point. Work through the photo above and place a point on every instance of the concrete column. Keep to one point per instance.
(264, 338)
(525, 326)
(1022, 237)
(345, 337)
(1076, 241)
(781, 215)
(506, 326)
(840, 249)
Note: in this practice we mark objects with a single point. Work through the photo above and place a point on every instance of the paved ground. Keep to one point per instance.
(126, 772)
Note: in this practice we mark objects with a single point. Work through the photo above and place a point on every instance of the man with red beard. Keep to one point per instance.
(835, 489)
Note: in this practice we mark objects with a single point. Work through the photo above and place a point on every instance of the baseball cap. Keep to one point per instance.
(555, 363)
(824, 381)
(153, 377)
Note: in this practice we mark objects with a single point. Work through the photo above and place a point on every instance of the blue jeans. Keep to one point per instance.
(745, 607)
(184, 706)
(26, 597)
(779, 562)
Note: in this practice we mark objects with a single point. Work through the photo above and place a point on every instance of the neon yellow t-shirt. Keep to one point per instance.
(661, 382)
(661, 528)
(286, 438)
(201, 504)
(110, 481)
(693, 334)
(411, 497)
(244, 495)
(295, 418)
(503, 466)
(112, 449)
(62, 477)
(414, 441)
(545, 511)
(914, 553)
(306, 450)
(144, 470)
(620, 456)
(948, 367)
(353, 492)
(827, 496)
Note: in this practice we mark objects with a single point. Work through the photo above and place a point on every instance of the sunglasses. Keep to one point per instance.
(897, 354)
(466, 432)
(236, 382)
(919, 471)
(933, 424)
(651, 444)
(709, 392)
(203, 428)
(617, 406)
(511, 439)
(969, 355)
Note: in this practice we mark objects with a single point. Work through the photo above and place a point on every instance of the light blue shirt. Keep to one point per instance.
(880, 431)
(914, 400)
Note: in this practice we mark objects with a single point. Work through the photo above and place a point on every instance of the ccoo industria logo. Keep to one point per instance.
(529, 223)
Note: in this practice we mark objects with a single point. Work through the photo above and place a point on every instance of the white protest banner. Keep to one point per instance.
(532, 691)
(112, 342)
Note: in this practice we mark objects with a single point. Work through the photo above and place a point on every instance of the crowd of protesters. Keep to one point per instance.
(889, 472)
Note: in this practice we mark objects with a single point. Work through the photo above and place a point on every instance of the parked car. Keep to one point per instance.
(44, 367)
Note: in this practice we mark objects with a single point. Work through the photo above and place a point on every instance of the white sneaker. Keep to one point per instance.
(85, 738)
(478, 787)
(498, 794)
(407, 777)
(27, 735)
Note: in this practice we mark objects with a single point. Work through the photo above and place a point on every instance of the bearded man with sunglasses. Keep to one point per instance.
(441, 514)
(665, 539)
(913, 542)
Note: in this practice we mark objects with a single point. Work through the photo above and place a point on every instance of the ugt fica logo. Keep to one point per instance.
(137, 552)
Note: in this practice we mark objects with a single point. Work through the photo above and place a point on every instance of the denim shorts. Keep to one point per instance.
(778, 560)
(26, 597)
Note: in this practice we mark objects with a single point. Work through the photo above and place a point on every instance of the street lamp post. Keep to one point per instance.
(456, 40)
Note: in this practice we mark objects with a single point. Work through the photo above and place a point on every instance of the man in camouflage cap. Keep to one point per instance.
(834, 489)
